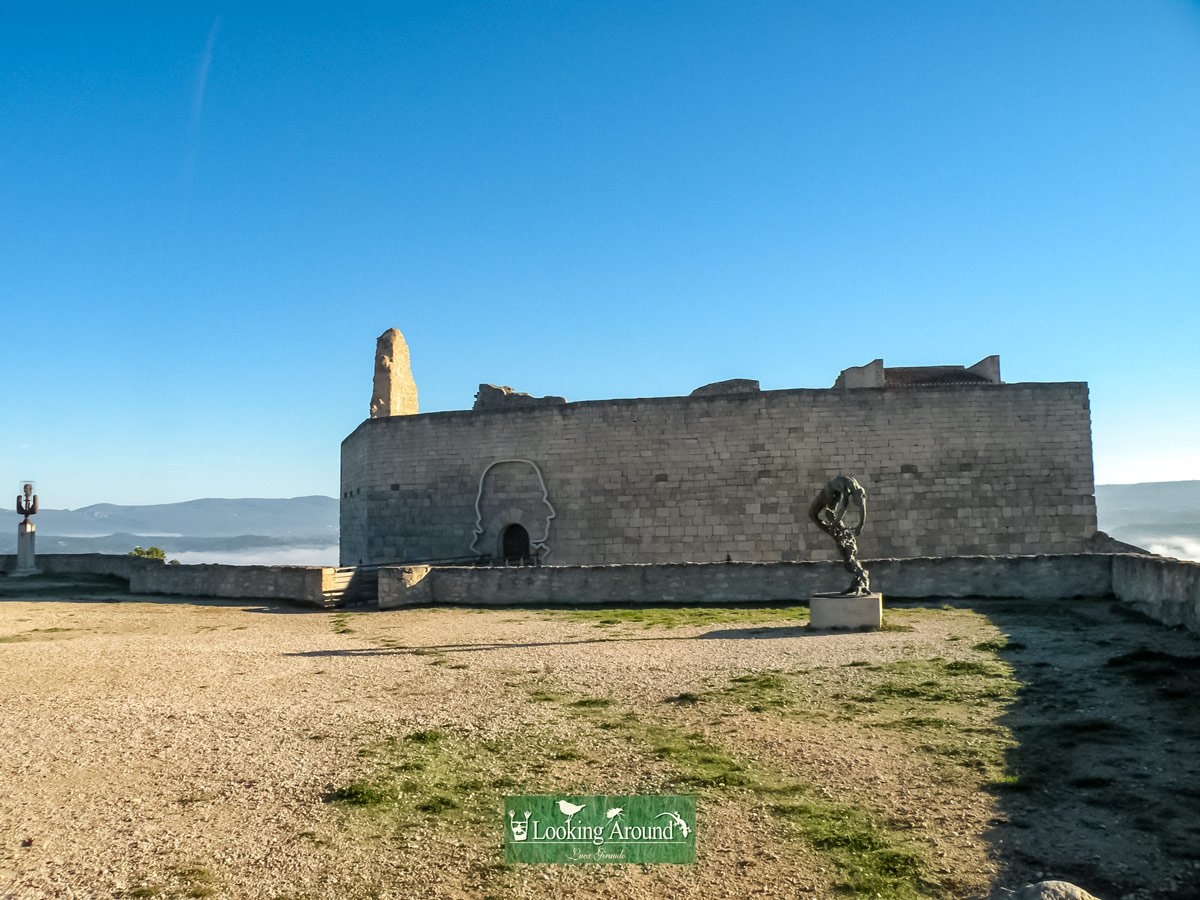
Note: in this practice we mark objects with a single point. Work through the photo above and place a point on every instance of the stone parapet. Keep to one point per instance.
(1063, 576)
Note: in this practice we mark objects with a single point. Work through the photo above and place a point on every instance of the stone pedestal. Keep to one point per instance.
(828, 611)
(26, 532)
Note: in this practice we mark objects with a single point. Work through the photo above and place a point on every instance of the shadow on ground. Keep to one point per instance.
(1103, 783)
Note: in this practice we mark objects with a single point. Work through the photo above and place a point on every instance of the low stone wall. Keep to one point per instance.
(1167, 590)
(85, 564)
(297, 584)
(1164, 589)
(307, 585)
(1057, 576)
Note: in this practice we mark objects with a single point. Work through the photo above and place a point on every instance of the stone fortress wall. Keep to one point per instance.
(955, 467)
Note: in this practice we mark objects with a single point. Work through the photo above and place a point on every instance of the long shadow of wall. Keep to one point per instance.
(1103, 782)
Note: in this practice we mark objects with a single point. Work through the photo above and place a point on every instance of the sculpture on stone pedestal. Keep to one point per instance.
(27, 505)
(828, 511)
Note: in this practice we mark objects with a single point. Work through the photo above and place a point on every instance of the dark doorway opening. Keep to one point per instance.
(514, 545)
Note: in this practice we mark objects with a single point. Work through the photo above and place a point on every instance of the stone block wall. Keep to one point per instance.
(119, 566)
(307, 585)
(1167, 590)
(950, 470)
(1049, 578)
(295, 584)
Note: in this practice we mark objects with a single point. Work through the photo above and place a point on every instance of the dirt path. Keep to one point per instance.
(156, 747)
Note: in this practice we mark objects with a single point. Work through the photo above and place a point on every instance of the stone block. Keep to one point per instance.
(840, 612)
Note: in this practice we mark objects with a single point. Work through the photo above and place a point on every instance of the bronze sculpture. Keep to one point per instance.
(27, 505)
(828, 510)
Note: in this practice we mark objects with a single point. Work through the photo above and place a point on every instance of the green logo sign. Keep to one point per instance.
(558, 829)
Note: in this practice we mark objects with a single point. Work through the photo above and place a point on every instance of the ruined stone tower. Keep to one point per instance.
(395, 391)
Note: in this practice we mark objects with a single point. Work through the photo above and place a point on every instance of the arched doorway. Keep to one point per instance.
(514, 544)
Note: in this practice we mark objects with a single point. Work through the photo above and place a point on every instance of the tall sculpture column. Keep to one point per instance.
(27, 505)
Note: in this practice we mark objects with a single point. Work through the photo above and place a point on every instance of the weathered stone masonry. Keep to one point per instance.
(975, 468)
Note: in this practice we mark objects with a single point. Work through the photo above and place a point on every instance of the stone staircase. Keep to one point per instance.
(351, 584)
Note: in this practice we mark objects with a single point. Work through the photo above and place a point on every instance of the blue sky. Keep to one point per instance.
(211, 212)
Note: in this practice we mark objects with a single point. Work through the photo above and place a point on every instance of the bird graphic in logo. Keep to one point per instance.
(682, 825)
(569, 810)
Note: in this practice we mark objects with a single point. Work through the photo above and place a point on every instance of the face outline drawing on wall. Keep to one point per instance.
(498, 507)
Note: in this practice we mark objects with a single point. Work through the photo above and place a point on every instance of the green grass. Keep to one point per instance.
(949, 708)
(426, 737)
(762, 691)
(939, 680)
(678, 616)
(363, 793)
(434, 776)
(197, 881)
(873, 863)
(992, 646)
(871, 860)
(340, 622)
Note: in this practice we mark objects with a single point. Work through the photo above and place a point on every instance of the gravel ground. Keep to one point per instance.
(162, 747)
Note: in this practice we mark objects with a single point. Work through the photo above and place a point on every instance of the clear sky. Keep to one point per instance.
(209, 214)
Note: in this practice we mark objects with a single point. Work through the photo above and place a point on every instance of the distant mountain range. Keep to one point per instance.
(1161, 516)
(202, 525)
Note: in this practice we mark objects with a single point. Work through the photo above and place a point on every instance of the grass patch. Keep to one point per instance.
(871, 860)
(762, 691)
(197, 881)
(431, 778)
(340, 622)
(363, 793)
(436, 804)
(426, 737)
(992, 646)
(949, 707)
(872, 863)
(679, 616)
(939, 680)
